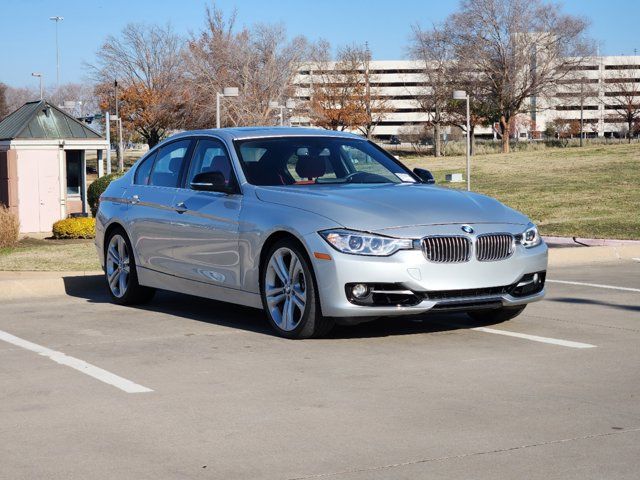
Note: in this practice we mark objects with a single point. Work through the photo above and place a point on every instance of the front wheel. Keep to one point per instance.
(497, 314)
(289, 293)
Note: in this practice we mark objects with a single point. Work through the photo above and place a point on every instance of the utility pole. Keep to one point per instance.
(119, 149)
(581, 109)
(39, 75)
(57, 19)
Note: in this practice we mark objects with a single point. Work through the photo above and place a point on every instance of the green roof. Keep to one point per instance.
(41, 120)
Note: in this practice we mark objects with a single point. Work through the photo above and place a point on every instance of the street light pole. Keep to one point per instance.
(581, 109)
(39, 75)
(462, 95)
(57, 19)
(226, 92)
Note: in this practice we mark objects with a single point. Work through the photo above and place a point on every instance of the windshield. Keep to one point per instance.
(317, 161)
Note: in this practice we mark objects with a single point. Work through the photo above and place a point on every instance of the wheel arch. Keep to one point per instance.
(271, 240)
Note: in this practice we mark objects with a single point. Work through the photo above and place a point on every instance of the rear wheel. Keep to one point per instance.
(120, 271)
(289, 293)
(497, 314)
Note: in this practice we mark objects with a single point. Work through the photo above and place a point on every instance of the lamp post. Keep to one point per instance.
(462, 95)
(57, 19)
(39, 75)
(226, 92)
(290, 104)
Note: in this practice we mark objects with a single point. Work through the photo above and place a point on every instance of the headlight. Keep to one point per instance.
(357, 243)
(530, 237)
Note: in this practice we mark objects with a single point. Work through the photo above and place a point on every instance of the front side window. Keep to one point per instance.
(144, 170)
(210, 156)
(168, 164)
(317, 161)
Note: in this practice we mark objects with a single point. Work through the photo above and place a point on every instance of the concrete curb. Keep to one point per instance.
(587, 242)
(21, 285)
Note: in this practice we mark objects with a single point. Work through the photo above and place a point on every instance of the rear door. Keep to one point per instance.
(206, 249)
(152, 218)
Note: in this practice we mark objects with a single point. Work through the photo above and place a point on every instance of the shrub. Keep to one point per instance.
(97, 188)
(9, 227)
(76, 227)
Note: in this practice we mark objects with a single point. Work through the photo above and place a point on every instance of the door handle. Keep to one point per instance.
(135, 199)
(180, 207)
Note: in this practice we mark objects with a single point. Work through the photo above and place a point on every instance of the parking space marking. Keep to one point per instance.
(596, 285)
(77, 364)
(535, 338)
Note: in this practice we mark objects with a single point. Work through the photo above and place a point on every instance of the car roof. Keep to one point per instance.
(238, 133)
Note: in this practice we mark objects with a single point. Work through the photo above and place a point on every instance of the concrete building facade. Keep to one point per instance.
(592, 85)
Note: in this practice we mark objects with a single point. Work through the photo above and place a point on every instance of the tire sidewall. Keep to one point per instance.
(306, 327)
(133, 274)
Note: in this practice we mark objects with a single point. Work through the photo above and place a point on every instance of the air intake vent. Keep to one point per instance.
(490, 248)
(455, 249)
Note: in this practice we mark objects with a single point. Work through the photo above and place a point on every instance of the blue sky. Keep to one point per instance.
(27, 34)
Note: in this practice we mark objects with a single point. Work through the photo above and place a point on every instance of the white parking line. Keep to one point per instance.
(596, 285)
(535, 338)
(77, 364)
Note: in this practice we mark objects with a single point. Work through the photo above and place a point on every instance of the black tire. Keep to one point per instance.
(497, 314)
(134, 293)
(311, 322)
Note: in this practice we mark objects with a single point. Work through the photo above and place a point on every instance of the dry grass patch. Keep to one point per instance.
(587, 192)
(50, 255)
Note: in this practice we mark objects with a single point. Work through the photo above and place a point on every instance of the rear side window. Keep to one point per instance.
(144, 169)
(168, 165)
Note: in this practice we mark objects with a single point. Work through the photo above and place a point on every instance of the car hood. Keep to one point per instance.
(379, 207)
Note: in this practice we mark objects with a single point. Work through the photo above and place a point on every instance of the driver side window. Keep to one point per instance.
(210, 156)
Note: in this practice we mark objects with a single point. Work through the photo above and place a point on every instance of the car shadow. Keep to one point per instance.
(93, 288)
(589, 301)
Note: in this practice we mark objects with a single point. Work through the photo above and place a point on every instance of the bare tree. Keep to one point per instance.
(16, 97)
(434, 50)
(339, 99)
(522, 47)
(4, 107)
(261, 62)
(146, 62)
(622, 95)
(79, 99)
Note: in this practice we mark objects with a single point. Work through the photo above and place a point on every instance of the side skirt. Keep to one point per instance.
(163, 281)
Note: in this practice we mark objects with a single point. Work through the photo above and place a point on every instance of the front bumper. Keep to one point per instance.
(410, 270)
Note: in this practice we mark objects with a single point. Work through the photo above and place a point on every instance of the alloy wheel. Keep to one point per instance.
(118, 266)
(285, 289)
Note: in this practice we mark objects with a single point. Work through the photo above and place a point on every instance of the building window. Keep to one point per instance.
(74, 172)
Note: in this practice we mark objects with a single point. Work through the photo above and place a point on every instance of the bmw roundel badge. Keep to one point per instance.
(467, 229)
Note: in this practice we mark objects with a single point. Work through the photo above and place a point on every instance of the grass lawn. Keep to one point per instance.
(591, 192)
(50, 255)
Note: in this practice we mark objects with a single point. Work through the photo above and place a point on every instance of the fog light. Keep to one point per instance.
(536, 278)
(359, 290)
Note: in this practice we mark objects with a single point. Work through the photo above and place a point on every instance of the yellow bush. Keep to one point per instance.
(77, 227)
(9, 227)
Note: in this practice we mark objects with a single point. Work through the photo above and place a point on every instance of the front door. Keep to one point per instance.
(151, 216)
(206, 249)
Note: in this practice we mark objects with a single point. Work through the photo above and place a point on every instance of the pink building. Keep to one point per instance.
(43, 164)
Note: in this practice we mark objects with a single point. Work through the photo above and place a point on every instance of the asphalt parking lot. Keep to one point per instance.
(188, 388)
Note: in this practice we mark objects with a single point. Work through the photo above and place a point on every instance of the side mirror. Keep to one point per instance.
(211, 182)
(425, 175)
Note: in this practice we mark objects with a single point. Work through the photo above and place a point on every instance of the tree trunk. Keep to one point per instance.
(630, 129)
(437, 144)
(152, 138)
(505, 125)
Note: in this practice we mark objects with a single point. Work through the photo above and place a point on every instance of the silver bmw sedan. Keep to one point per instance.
(315, 227)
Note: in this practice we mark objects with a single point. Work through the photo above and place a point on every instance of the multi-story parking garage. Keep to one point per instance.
(596, 90)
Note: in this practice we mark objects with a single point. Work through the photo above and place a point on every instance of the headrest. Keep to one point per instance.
(174, 164)
(310, 167)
